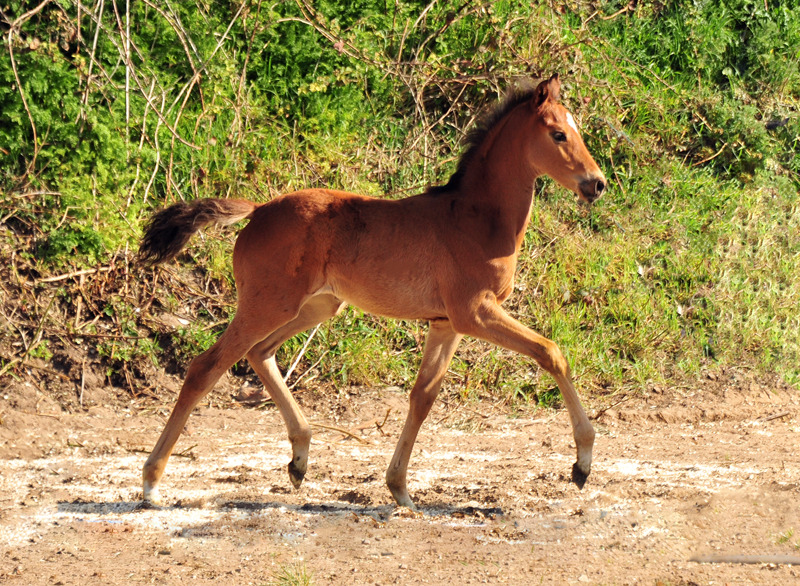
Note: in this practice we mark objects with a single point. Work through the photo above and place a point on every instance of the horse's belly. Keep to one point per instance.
(395, 298)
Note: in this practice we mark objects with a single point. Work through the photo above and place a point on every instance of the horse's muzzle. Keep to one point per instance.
(591, 189)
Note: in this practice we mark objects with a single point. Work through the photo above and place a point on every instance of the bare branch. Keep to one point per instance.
(92, 59)
(142, 91)
(22, 95)
(30, 14)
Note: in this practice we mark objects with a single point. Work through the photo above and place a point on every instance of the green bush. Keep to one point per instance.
(687, 263)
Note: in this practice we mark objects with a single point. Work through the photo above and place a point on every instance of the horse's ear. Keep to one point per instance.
(549, 89)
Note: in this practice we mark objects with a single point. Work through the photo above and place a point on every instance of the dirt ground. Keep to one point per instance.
(677, 474)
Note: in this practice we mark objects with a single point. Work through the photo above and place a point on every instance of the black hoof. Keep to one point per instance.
(148, 506)
(578, 476)
(296, 475)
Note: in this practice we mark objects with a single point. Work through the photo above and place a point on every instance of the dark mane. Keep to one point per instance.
(477, 134)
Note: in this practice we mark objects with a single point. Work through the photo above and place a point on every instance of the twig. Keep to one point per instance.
(449, 413)
(343, 46)
(80, 334)
(182, 454)
(618, 12)
(30, 14)
(8, 365)
(91, 57)
(632, 62)
(240, 126)
(196, 76)
(308, 370)
(457, 15)
(300, 354)
(776, 416)
(75, 274)
(158, 152)
(433, 125)
(35, 339)
(604, 409)
(141, 144)
(186, 453)
(19, 85)
(712, 157)
(181, 30)
(423, 14)
(385, 419)
(56, 417)
(142, 91)
(128, 78)
(83, 381)
(746, 559)
(342, 431)
(267, 401)
(468, 409)
(12, 361)
(191, 289)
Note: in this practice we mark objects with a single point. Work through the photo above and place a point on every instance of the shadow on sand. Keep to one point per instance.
(381, 513)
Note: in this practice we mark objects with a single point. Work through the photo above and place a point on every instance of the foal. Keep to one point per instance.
(446, 256)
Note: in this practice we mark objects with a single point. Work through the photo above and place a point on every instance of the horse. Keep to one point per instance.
(446, 256)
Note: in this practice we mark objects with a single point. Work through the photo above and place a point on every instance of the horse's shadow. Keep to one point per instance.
(380, 513)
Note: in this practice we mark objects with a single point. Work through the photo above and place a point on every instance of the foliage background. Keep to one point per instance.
(688, 264)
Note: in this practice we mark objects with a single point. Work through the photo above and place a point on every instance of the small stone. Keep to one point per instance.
(583, 578)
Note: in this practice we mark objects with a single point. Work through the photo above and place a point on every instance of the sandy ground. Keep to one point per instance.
(675, 475)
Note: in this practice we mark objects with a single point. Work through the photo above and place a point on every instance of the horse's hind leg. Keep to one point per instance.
(203, 373)
(440, 346)
(262, 359)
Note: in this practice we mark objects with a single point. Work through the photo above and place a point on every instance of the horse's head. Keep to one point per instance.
(557, 148)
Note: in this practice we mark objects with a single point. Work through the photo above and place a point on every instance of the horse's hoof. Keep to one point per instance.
(402, 498)
(148, 505)
(407, 504)
(150, 495)
(296, 475)
(578, 476)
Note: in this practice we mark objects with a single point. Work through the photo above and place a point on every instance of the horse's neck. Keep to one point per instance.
(500, 178)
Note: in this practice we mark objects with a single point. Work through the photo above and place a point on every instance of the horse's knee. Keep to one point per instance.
(549, 356)
(260, 353)
(201, 369)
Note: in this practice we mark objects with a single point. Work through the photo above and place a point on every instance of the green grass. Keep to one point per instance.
(784, 537)
(291, 575)
(688, 263)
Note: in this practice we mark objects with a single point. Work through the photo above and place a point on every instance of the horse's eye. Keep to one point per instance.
(559, 137)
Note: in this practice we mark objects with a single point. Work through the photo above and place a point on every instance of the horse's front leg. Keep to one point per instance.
(440, 346)
(489, 322)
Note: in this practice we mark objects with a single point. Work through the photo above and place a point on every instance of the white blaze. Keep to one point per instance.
(571, 122)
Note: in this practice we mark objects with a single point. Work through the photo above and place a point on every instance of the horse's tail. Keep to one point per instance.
(170, 229)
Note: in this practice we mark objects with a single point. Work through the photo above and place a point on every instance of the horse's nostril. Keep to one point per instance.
(600, 187)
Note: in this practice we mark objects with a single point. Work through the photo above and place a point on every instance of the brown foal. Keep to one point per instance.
(446, 256)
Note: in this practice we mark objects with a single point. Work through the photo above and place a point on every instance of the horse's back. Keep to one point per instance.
(381, 255)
